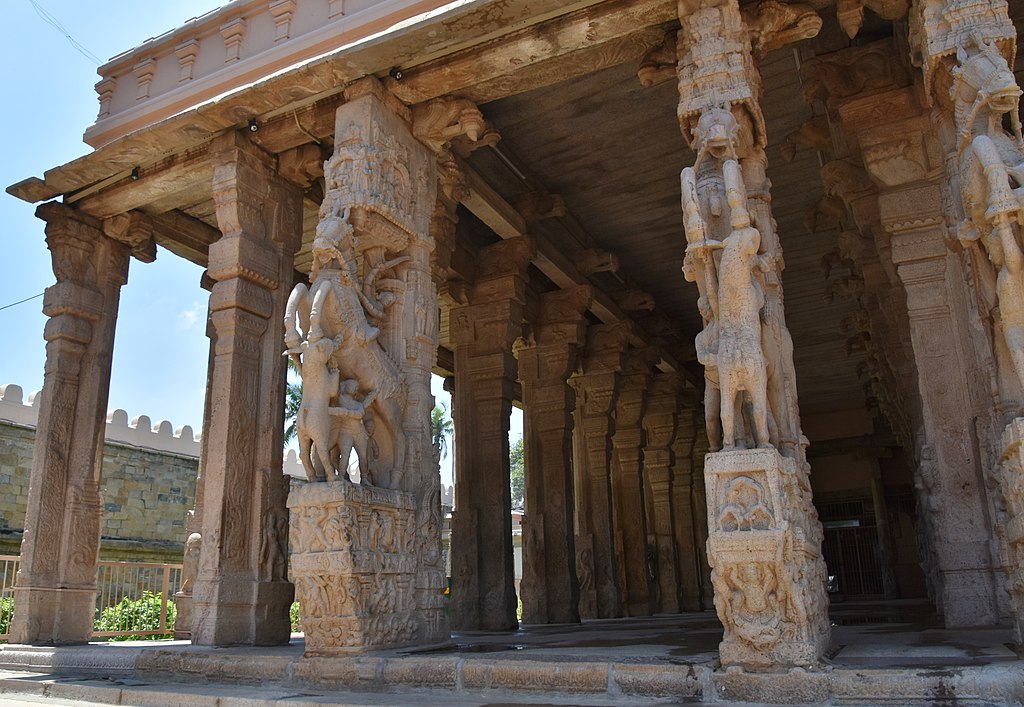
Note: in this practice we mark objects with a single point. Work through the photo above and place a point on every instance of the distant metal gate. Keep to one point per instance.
(850, 547)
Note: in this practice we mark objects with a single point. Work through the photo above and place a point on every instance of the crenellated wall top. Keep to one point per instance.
(138, 431)
(230, 47)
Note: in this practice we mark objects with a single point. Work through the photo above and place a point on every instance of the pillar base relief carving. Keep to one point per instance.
(765, 551)
(1010, 476)
(354, 557)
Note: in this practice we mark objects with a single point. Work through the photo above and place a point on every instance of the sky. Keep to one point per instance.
(161, 349)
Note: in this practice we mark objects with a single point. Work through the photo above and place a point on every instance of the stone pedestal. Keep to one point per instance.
(354, 564)
(765, 551)
(55, 593)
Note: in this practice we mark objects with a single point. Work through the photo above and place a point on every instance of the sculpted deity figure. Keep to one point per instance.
(190, 566)
(991, 165)
(753, 596)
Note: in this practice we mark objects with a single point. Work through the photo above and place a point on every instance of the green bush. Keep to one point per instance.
(293, 613)
(6, 612)
(141, 614)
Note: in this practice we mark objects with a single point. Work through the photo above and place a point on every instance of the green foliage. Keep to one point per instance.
(517, 477)
(442, 429)
(141, 614)
(292, 401)
(293, 614)
(6, 612)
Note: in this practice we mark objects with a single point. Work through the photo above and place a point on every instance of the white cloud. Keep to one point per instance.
(188, 318)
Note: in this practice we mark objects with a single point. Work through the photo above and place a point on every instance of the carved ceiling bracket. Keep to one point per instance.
(135, 230)
(454, 123)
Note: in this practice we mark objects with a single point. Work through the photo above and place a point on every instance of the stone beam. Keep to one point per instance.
(506, 221)
(184, 235)
(604, 35)
(139, 189)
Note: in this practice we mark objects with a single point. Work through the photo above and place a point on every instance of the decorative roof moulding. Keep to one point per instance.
(197, 110)
(230, 48)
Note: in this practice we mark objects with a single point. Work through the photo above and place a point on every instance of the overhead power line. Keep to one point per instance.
(55, 23)
(21, 301)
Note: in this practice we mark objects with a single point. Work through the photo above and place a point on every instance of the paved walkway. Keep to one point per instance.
(883, 653)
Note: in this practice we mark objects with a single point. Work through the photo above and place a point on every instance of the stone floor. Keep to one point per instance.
(883, 653)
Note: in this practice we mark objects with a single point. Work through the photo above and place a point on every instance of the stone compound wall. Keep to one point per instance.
(149, 480)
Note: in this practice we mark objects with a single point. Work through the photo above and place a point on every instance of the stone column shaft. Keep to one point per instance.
(483, 571)
(885, 543)
(628, 495)
(660, 426)
(483, 567)
(55, 592)
(595, 547)
(699, 506)
(688, 549)
(550, 586)
(949, 476)
(242, 594)
(596, 386)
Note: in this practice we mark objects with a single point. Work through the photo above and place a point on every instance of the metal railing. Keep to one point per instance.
(131, 597)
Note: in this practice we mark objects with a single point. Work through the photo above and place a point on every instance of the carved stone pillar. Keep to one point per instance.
(765, 540)
(966, 51)
(194, 518)
(596, 386)
(242, 593)
(368, 562)
(546, 360)
(920, 319)
(660, 426)
(949, 467)
(689, 541)
(627, 488)
(483, 572)
(55, 592)
(885, 541)
(699, 507)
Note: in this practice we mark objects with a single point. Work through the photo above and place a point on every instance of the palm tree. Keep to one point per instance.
(292, 401)
(442, 429)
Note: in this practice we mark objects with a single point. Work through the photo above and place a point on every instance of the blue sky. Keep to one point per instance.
(161, 349)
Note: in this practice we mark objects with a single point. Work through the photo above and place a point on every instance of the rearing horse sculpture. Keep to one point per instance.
(991, 165)
(335, 307)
